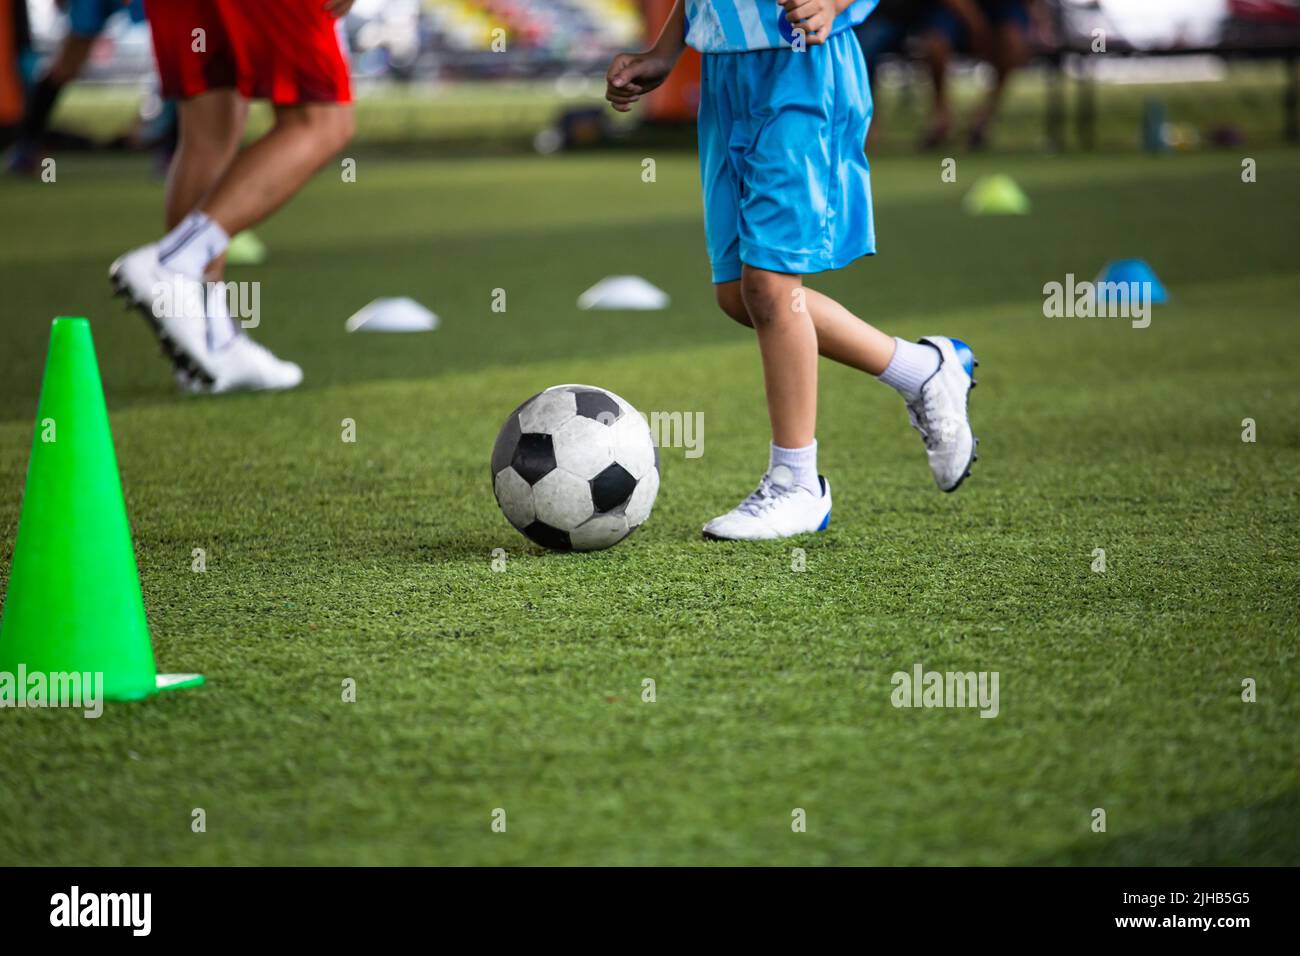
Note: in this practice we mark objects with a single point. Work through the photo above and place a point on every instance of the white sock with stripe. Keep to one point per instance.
(195, 242)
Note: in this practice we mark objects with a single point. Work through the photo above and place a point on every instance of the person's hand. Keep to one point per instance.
(338, 8)
(814, 17)
(633, 74)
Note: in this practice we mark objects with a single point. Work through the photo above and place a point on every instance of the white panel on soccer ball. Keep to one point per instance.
(643, 498)
(602, 531)
(515, 496)
(633, 447)
(563, 500)
(548, 411)
(582, 446)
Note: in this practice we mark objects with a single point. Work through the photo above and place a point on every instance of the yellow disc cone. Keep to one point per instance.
(998, 195)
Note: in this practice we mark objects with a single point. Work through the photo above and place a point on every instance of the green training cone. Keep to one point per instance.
(245, 249)
(74, 602)
(996, 196)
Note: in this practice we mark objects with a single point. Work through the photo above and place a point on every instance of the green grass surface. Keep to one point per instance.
(505, 116)
(521, 689)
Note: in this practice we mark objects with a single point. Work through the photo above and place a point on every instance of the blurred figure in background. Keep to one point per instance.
(887, 30)
(996, 31)
(287, 52)
(86, 20)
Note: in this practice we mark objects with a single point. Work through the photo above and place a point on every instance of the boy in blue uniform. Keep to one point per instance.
(784, 110)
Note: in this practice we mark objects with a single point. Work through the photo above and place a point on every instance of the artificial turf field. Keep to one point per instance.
(521, 689)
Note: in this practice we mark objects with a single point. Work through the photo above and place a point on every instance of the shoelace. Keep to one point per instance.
(922, 413)
(764, 497)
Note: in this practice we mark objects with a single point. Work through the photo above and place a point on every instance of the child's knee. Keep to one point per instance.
(343, 127)
(768, 296)
(334, 127)
(732, 302)
(331, 125)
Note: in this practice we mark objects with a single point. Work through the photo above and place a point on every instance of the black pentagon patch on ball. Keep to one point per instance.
(507, 441)
(548, 537)
(598, 406)
(534, 457)
(611, 488)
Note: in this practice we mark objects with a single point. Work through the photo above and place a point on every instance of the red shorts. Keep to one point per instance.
(285, 51)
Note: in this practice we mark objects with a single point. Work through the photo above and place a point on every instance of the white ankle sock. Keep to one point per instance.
(221, 327)
(195, 242)
(802, 463)
(912, 364)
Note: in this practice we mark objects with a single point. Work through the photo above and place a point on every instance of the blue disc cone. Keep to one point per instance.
(1130, 272)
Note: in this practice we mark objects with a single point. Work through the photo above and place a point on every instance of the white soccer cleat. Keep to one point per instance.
(778, 509)
(176, 308)
(173, 304)
(941, 415)
(244, 366)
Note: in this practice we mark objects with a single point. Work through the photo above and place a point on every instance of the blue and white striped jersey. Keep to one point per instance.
(737, 26)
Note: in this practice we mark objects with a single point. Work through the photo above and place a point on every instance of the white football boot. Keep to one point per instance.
(241, 365)
(778, 509)
(174, 305)
(941, 415)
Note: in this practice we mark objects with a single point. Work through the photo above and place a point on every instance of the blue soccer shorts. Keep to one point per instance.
(782, 134)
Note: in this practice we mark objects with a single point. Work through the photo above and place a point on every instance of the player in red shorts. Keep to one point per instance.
(213, 56)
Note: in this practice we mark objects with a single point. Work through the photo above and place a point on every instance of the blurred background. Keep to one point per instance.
(491, 164)
(517, 75)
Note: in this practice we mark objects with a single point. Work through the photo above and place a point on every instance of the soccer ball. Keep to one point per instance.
(575, 469)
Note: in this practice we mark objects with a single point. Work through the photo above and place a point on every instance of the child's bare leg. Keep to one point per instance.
(788, 343)
(844, 338)
(841, 336)
(910, 368)
(211, 126)
(268, 172)
(792, 498)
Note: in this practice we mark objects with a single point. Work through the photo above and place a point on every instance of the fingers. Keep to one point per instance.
(619, 88)
(796, 10)
(614, 75)
(620, 101)
(622, 88)
(624, 71)
(811, 17)
(814, 31)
